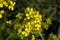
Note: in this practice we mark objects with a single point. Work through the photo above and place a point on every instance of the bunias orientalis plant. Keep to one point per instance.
(31, 24)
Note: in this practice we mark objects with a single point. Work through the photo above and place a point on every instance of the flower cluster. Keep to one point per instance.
(1, 13)
(53, 37)
(9, 22)
(31, 23)
(11, 6)
(19, 16)
(47, 23)
(7, 3)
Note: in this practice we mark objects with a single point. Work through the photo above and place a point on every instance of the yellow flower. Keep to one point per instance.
(1, 5)
(0, 15)
(30, 13)
(33, 37)
(37, 12)
(45, 25)
(11, 8)
(31, 9)
(25, 19)
(32, 16)
(48, 20)
(8, 1)
(28, 8)
(28, 23)
(32, 23)
(19, 30)
(9, 22)
(53, 37)
(12, 3)
(23, 32)
(2, 11)
(26, 29)
(37, 25)
(27, 15)
(26, 34)
(19, 16)
(5, 3)
(35, 21)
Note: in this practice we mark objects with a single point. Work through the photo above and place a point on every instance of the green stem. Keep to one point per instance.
(1, 38)
(41, 36)
(9, 36)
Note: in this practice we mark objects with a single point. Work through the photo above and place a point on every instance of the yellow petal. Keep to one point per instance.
(9, 7)
(12, 8)
(5, 3)
(11, 2)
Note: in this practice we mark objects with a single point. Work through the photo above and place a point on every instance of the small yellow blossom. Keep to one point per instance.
(27, 9)
(37, 12)
(30, 13)
(9, 22)
(19, 15)
(37, 25)
(12, 3)
(25, 19)
(1, 5)
(5, 3)
(27, 15)
(48, 20)
(33, 37)
(45, 25)
(19, 30)
(26, 29)
(26, 34)
(53, 37)
(11, 8)
(32, 23)
(31, 9)
(2, 11)
(23, 32)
